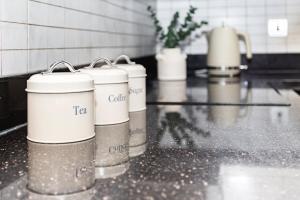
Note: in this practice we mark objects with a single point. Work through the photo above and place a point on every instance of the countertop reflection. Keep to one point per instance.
(215, 91)
(210, 152)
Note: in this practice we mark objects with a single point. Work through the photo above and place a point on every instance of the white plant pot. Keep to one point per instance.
(171, 64)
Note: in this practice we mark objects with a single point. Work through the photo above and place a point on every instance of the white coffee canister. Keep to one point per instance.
(111, 93)
(60, 106)
(137, 83)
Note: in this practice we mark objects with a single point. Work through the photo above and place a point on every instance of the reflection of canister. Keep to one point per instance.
(83, 195)
(58, 169)
(138, 137)
(112, 154)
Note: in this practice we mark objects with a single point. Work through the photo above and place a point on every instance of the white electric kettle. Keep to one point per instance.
(224, 57)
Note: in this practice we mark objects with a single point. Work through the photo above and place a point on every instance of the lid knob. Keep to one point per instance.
(54, 65)
(93, 64)
(124, 57)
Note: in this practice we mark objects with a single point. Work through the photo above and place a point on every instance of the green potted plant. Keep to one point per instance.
(171, 61)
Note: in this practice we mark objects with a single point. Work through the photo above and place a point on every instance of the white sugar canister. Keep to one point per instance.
(111, 92)
(60, 106)
(137, 83)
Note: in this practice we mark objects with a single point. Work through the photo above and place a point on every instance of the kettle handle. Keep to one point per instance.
(98, 60)
(54, 65)
(124, 57)
(245, 37)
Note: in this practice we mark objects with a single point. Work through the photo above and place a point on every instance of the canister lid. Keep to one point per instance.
(62, 82)
(133, 69)
(107, 73)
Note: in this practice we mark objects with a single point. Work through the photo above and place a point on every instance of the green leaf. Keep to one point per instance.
(176, 32)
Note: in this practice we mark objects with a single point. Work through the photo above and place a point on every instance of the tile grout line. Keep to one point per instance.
(91, 13)
(123, 7)
(86, 47)
(77, 29)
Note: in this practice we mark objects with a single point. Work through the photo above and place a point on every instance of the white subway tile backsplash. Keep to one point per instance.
(71, 55)
(276, 11)
(84, 55)
(37, 13)
(216, 3)
(14, 62)
(275, 2)
(36, 33)
(217, 12)
(255, 11)
(259, 48)
(216, 21)
(199, 4)
(14, 36)
(37, 60)
(279, 48)
(255, 2)
(280, 44)
(37, 37)
(245, 15)
(293, 2)
(258, 21)
(56, 16)
(13, 10)
(71, 38)
(74, 4)
(254, 30)
(55, 2)
(236, 3)
(293, 9)
(55, 38)
(54, 55)
(39, 32)
(236, 12)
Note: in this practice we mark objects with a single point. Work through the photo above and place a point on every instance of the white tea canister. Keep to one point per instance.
(137, 83)
(111, 92)
(60, 106)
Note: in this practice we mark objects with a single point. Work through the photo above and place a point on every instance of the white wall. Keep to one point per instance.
(245, 15)
(35, 33)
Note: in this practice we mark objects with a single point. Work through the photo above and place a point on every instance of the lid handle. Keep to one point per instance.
(54, 65)
(107, 61)
(124, 57)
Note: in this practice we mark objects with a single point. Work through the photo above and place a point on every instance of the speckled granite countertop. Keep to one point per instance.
(244, 145)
